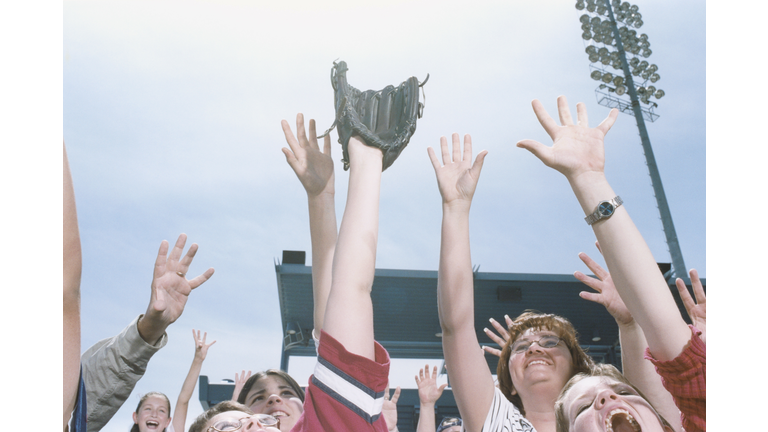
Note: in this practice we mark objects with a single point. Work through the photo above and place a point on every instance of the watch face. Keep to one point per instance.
(605, 208)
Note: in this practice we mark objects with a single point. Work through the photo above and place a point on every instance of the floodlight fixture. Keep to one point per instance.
(625, 51)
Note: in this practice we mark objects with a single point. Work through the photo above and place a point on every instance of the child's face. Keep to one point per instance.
(274, 396)
(153, 415)
(606, 405)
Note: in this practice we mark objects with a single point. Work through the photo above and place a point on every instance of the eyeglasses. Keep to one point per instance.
(448, 422)
(546, 341)
(233, 424)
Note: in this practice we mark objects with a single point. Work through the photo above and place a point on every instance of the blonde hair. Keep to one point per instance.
(597, 370)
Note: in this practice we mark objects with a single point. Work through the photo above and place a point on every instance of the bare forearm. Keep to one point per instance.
(72, 252)
(426, 418)
(455, 293)
(642, 373)
(471, 379)
(182, 404)
(634, 270)
(322, 228)
(72, 263)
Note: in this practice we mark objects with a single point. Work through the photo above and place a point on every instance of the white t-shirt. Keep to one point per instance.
(503, 416)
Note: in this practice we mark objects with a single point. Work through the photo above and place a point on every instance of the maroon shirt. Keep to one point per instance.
(346, 392)
(685, 378)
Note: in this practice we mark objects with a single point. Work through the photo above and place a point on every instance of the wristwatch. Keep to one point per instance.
(604, 210)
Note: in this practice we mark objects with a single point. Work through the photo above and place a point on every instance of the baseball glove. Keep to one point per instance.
(385, 119)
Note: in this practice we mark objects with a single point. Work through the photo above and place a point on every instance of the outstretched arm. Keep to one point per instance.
(578, 153)
(314, 168)
(349, 312)
(72, 270)
(635, 367)
(472, 382)
(113, 366)
(182, 404)
(429, 393)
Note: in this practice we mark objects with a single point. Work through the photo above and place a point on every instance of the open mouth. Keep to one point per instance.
(151, 424)
(620, 420)
(278, 414)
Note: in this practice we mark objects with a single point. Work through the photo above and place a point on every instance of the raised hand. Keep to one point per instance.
(239, 383)
(389, 409)
(313, 167)
(696, 310)
(170, 289)
(576, 148)
(201, 348)
(501, 339)
(606, 291)
(457, 176)
(429, 392)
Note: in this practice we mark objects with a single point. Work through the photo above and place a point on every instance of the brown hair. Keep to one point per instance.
(536, 320)
(597, 370)
(135, 427)
(202, 420)
(263, 374)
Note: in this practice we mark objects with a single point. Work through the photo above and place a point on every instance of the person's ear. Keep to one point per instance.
(168, 422)
(135, 418)
(513, 391)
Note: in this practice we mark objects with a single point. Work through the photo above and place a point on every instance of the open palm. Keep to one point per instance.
(457, 176)
(313, 167)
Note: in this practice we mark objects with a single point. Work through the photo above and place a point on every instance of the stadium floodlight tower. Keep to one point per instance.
(610, 37)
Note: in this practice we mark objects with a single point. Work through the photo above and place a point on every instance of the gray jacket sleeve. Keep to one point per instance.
(111, 369)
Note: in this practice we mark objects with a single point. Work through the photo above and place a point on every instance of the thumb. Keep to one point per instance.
(289, 156)
(538, 149)
(477, 166)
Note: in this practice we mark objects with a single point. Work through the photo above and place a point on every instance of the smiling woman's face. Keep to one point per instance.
(602, 404)
(153, 415)
(273, 395)
(538, 367)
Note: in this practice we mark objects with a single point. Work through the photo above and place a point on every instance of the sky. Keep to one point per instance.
(171, 115)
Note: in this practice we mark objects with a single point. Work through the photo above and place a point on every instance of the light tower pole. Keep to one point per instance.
(614, 37)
